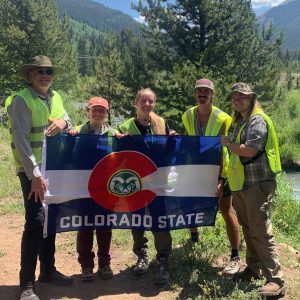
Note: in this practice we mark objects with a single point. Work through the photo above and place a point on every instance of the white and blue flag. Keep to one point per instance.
(153, 182)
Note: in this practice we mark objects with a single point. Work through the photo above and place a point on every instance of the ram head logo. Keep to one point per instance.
(124, 183)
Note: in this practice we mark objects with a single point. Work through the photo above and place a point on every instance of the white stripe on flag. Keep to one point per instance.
(175, 181)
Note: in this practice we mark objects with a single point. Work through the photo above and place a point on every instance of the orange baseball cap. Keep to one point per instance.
(98, 101)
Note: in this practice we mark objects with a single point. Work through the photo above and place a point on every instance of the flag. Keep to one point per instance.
(151, 182)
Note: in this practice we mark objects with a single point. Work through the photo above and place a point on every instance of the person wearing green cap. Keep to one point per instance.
(254, 162)
(34, 112)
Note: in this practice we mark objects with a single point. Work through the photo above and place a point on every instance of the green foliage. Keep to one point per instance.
(286, 210)
(29, 28)
(9, 182)
(97, 16)
(108, 82)
(219, 37)
(285, 18)
(193, 270)
(285, 118)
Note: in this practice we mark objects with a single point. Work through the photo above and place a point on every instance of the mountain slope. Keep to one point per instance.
(286, 18)
(97, 15)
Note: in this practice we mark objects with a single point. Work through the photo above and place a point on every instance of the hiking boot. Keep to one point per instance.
(141, 266)
(27, 293)
(87, 275)
(233, 266)
(271, 289)
(56, 278)
(105, 272)
(246, 275)
(163, 274)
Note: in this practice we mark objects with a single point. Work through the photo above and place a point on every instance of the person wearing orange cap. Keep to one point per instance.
(97, 108)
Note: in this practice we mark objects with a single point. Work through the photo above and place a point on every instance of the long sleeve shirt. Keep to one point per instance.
(20, 118)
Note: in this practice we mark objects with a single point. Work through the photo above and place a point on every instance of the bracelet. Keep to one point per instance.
(228, 144)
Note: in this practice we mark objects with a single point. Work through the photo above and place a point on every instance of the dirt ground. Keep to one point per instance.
(123, 286)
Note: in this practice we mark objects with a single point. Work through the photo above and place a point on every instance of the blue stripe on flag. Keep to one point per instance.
(164, 213)
(83, 152)
(162, 210)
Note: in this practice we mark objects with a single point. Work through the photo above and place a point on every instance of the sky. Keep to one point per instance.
(125, 6)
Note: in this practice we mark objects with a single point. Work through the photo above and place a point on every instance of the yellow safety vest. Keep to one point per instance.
(129, 126)
(236, 172)
(216, 120)
(40, 118)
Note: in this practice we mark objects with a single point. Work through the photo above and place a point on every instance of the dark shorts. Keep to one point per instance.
(226, 188)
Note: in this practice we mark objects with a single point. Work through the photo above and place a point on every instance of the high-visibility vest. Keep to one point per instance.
(216, 120)
(236, 172)
(129, 126)
(40, 117)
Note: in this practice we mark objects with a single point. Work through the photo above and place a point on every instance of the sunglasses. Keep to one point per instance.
(44, 71)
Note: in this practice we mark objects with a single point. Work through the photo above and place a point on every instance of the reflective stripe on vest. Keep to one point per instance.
(40, 118)
(129, 126)
(236, 171)
(216, 119)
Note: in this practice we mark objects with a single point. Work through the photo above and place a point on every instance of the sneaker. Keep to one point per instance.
(87, 275)
(233, 266)
(141, 266)
(105, 272)
(163, 274)
(56, 277)
(27, 293)
(271, 289)
(246, 275)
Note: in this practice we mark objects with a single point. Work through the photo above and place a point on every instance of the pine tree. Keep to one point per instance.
(108, 82)
(219, 37)
(29, 28)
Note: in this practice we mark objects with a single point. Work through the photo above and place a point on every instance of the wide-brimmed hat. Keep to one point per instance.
(206, 83)
(243, 88)
(98, 101)
(40, 61)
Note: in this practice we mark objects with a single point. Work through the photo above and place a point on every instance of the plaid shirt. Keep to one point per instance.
(255, 135)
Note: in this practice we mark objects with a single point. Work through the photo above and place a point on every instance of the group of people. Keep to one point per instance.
(246, 181)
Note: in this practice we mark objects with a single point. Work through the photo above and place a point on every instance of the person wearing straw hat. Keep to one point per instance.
(34, 112)
(205, 119)
(254, 162)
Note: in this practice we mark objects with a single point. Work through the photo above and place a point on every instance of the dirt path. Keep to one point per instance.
(123, 286)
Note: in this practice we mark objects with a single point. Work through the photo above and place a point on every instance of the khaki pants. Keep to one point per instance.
(253, 212)
(162, 242)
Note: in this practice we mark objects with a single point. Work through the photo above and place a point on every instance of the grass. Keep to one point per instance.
(194, 272)
(10, 192)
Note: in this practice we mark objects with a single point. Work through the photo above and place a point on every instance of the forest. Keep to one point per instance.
(104, 52)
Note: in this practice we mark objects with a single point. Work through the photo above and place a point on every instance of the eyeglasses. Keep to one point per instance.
(44, 71)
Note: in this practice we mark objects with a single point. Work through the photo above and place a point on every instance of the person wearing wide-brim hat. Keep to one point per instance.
(254, 162)
(33, 112)
(40, 62)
